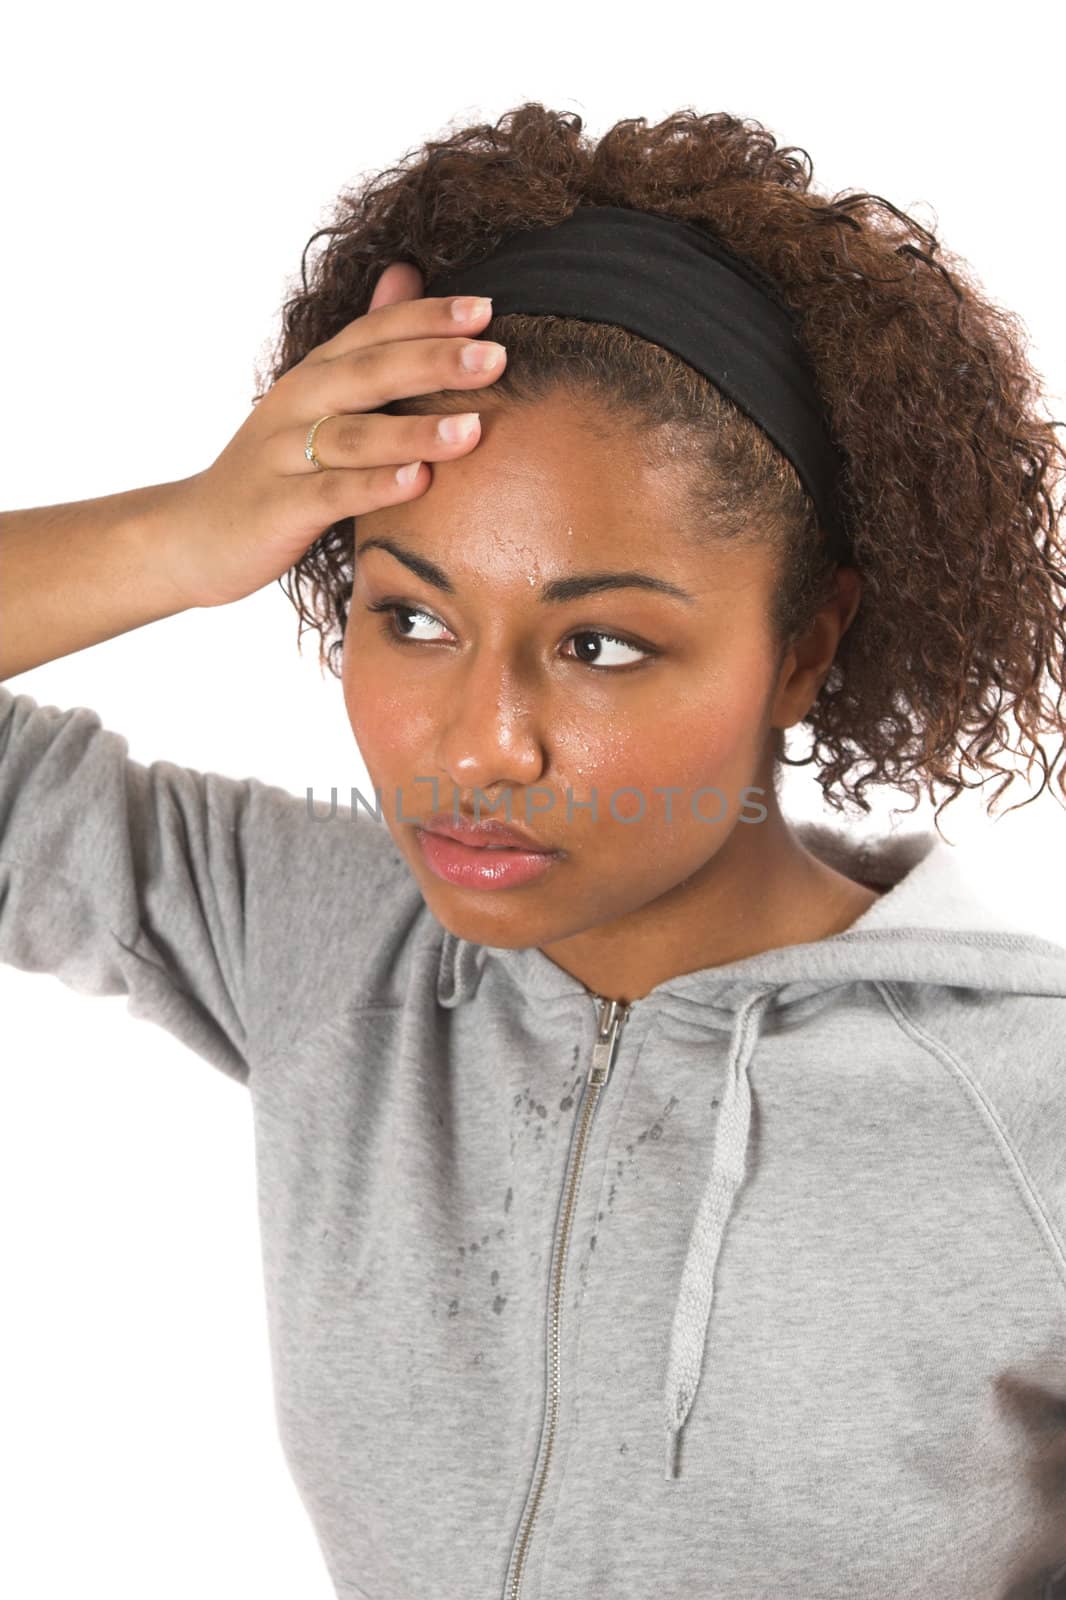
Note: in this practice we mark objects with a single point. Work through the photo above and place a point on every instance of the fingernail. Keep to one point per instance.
(479, 357)
(454, 430)
(467, 308)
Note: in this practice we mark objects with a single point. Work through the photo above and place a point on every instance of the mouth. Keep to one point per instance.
(484, 835)
(482, 862)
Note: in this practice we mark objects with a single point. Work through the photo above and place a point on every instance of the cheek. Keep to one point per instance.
(688, 745)
(385, 718)
(710, 743)
(389, 726)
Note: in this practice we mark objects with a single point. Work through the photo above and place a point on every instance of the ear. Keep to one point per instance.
(401, 280)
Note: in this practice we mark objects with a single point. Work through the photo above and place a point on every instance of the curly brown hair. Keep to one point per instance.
(926, 385)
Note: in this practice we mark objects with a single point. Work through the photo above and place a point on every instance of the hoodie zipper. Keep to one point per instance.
(612, 1017)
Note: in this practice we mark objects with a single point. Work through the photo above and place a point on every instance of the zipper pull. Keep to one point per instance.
(612, 1018)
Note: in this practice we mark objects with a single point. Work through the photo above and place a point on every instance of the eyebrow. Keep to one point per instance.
(574, 587)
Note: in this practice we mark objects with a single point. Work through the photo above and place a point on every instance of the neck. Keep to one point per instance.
(761, 890)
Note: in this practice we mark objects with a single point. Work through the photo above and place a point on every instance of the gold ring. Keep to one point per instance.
(309, 447)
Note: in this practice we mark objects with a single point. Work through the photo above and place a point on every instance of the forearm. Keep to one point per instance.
(73, 575)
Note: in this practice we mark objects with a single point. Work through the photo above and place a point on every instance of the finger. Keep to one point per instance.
(368, 440)
(322, 498)
(404, 317)
(401, 280)
(375, 375)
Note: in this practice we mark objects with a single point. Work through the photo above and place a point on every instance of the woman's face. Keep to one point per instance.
(496, 689)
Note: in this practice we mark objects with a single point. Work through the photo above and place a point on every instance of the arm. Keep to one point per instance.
(125, 879)
(216, 905)
(73, 575)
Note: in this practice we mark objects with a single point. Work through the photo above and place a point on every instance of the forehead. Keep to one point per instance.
(556, 486)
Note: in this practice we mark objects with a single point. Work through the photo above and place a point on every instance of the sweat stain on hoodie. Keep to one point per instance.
(814, 1343)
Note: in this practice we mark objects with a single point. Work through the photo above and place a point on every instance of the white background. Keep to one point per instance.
(164, 169)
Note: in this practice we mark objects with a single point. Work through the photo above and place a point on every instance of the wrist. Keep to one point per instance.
(155, 534)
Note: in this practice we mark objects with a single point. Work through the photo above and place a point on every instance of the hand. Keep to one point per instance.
(258, 508)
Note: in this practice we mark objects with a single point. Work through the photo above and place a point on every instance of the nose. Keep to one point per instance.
(489, 731)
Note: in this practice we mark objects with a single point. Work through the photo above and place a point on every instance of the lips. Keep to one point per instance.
(483, 835)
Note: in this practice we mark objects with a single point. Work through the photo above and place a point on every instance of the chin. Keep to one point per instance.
(505, 918)
(502, 932)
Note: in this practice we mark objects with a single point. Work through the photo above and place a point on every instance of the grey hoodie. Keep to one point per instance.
(755, 1289)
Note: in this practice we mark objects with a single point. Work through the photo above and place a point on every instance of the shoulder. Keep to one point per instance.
(332, 901)
(1009, 1051)
(1011, 1041)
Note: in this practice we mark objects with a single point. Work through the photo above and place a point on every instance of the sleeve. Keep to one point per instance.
(123, 879)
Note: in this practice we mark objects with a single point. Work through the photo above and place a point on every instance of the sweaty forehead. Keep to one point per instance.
(553, 496)
(570, 585)
(559, 577)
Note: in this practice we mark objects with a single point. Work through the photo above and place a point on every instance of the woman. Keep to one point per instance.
(671, 1201)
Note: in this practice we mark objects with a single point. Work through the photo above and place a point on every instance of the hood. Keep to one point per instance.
(938, 922)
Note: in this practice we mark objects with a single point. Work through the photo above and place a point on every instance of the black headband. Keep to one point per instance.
(676, 285)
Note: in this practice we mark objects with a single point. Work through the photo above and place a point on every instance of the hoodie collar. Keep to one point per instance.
(933, 924)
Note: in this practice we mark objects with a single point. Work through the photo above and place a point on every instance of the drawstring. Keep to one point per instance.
(692, 1314)
(460, 972)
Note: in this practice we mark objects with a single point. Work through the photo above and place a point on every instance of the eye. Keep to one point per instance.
(392, 610)
(388, 627)
(612, 638)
